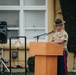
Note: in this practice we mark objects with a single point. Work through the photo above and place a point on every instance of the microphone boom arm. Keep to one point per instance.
(42, 35)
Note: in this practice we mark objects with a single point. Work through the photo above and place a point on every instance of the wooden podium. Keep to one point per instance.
(46, 54)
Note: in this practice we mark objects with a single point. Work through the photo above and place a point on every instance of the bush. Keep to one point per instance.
(31, 64)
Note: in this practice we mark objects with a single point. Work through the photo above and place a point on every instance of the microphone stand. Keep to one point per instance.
(39, 36)
(42, 35)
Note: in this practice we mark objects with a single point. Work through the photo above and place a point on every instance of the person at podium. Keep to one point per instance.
(61, 37)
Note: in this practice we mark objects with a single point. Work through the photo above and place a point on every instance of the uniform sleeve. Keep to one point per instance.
(65, 37)
(52, 39)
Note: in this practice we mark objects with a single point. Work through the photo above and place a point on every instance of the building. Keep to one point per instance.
(30, 18)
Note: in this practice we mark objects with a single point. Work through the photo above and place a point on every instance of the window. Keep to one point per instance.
(34, 2)
(12, 19)
(9, 2)
(25, 17)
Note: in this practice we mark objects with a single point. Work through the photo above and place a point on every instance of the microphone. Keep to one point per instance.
(49, 32)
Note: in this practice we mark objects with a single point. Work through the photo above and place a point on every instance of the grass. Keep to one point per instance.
(71, 73)
(18, 73)
(30, 73)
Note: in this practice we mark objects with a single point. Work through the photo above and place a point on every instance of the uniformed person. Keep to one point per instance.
(61, 37)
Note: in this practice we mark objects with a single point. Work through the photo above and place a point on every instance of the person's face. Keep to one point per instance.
(59, 27)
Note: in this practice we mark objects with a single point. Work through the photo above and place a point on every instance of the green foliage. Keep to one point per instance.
(31, 65)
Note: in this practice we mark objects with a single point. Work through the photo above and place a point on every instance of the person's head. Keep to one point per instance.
(59, 24)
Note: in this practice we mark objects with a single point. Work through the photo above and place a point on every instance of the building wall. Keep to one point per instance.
(21, 54)
(50, 16)
(54, 12)
(24, 18)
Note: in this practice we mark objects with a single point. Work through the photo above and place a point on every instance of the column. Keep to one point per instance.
(50, 16)
(21, 21)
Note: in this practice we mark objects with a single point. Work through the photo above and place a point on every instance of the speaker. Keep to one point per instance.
(3, 32)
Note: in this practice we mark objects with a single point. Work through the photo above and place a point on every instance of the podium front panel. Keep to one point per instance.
(45, 65)
(45, 48)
